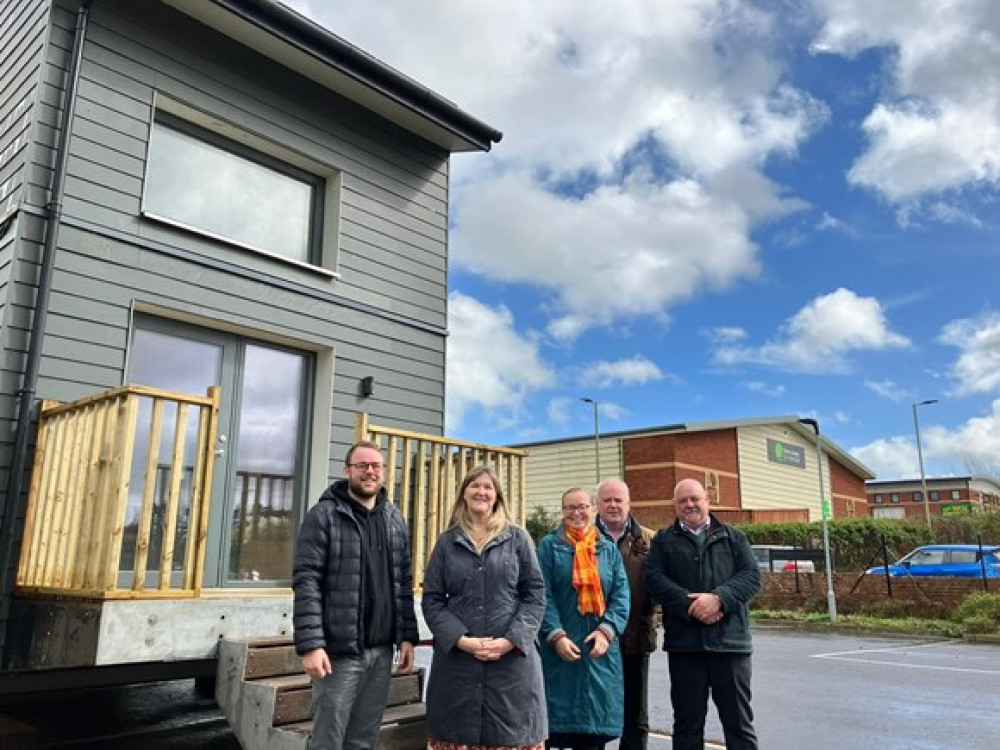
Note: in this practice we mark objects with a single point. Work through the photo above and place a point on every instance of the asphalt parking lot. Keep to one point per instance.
(830, 692)
(811, 691)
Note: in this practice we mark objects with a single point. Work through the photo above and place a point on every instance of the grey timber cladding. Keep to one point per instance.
(384, 311)
(22, 34)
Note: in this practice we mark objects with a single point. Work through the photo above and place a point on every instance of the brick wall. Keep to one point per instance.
(655, 464)
(715, 449)
(927, 597)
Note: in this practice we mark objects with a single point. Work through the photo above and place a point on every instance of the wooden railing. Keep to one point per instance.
(423, 473)
(79, 520)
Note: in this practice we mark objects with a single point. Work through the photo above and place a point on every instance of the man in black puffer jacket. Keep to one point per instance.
(353, 584)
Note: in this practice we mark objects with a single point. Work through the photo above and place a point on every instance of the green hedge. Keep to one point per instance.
(979, 613)
(855, 541)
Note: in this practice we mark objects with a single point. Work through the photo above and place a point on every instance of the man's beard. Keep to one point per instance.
(357, 489)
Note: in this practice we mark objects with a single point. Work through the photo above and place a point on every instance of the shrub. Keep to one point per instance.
(540, 522)
(979, 613)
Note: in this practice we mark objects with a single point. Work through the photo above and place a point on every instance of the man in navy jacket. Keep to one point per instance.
(704, 574)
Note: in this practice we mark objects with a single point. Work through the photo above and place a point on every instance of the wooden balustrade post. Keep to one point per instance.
(208, 451)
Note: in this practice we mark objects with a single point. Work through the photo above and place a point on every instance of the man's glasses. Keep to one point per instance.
(366, 465)
(575, 508)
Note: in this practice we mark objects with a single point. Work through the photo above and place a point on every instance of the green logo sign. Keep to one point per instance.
(788, 454)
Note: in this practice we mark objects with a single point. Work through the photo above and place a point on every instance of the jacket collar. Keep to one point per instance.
(632, 529)
(715, 526)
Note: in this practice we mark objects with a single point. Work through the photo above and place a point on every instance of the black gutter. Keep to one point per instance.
(26, 395)
(284, 23)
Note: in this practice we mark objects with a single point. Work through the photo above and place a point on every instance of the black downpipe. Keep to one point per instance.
(26, 396)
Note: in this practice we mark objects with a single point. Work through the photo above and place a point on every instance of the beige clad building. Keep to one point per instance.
(762, 469)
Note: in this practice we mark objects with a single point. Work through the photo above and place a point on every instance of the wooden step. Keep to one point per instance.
(271, 659)
(401, 730)
(268, 699)
(293, 702)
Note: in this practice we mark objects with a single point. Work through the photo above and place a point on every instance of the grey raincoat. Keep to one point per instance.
(498, 593)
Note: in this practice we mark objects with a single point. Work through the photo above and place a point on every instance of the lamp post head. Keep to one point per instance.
(587, 400)
(928, 402)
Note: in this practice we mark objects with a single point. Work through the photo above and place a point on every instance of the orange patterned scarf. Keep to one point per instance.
(586, 578)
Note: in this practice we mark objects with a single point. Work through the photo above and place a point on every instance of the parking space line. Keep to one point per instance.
(930, 644)
(912, 666)
(666, 736)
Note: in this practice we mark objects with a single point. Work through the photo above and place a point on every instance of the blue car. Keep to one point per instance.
(957, 560)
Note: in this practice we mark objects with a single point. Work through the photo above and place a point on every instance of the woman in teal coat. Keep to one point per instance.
(586, 610)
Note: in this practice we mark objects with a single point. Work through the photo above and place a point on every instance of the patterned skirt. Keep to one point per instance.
(433, 744)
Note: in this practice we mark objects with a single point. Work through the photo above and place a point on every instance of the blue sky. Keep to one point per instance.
(719, 209)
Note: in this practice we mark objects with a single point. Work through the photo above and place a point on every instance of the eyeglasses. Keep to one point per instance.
(366, 465)
(575, 508)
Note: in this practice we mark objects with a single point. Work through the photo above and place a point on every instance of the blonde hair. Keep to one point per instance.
(462, 518)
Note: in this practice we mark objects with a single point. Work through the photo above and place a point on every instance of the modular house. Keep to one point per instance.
(223, 235)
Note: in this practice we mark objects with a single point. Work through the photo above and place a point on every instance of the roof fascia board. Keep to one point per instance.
(305, 47)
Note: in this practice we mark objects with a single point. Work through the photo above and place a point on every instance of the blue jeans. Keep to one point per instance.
(349, 702)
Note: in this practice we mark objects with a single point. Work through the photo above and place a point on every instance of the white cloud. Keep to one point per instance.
(558, 410)
(621, 251)
(726, 334)
(612, 411)
(977, 439)
(889, 458)
(938, 126)
(841, 417)
(818, 338)
(759, 386)
(631, 172)
(828, 223)
(636, 370)
(977, 369)
(489, 365)
(888, 389)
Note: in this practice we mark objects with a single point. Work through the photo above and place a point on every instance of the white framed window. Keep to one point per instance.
(894, 497)
(215, 179)
(956, 494)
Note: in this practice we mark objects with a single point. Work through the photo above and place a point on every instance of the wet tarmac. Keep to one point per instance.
(815, 691)
(154, 716)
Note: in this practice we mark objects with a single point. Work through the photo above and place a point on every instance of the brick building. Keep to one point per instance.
(761, 469)
(903, 498)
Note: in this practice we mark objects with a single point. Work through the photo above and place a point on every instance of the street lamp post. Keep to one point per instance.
(920, 459)
(597, 440)
(831, 597)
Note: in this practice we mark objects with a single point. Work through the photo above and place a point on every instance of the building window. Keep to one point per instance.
(918, 496)
(893, 497)
(878, 498)
(202, 181)
(956, 494)
(934, 495)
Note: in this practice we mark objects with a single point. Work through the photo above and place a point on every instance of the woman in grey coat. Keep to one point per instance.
(483, 600)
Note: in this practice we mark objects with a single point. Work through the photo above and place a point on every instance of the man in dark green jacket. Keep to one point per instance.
(703, 573)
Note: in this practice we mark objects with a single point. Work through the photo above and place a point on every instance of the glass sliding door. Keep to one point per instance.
(264, 519)
(256, 497)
